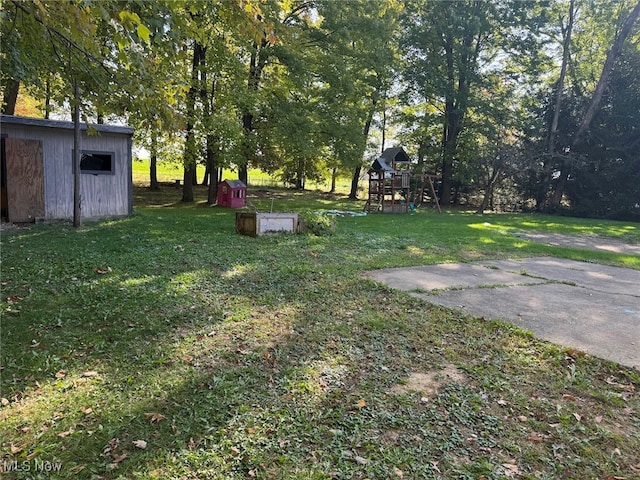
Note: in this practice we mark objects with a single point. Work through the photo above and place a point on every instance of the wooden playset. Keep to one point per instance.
(392, 186)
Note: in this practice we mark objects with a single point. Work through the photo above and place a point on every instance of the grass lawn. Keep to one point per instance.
(167, 346)
(169, 172)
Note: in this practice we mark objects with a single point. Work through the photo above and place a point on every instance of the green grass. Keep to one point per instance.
(169, 172)
(235, 357)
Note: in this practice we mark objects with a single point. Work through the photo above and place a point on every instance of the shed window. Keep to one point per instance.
(97, 163)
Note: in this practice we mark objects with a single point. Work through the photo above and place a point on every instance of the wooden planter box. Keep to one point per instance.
(258, 224)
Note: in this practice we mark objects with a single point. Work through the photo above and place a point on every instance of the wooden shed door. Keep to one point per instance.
(25, 179)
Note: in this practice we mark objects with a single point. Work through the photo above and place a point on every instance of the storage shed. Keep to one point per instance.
(37, 170)
(232, 193)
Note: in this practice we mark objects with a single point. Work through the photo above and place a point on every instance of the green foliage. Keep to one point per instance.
(605, 181)
(317, 223)
(304, 90)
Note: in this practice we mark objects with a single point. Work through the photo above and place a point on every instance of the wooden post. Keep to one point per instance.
(77, 200)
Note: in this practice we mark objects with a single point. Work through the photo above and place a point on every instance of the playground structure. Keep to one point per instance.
(392, 186)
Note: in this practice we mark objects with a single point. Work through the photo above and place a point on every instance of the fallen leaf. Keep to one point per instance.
(251, 431)
(77, 468)
(61, 374)
(235, 451)
(102, 270)
(4, 402)
(598, 419)
(361, 460)
(611, 380)
(510, 470)
(140, 444)
(534, 437)
(577, 416)
(361, 403)
(187, 358)
(89, 374)
(87, 411)
(502, 402)
(116, 461)
(15, 449)
(399, 473)
(154, 417)
(617, 451)
(33, 455)
(522, 418)
(66, 434)
(252, 473)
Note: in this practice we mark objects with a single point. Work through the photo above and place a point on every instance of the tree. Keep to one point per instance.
(448, 48)
(606, 184)
(595, 100)
(358, 57)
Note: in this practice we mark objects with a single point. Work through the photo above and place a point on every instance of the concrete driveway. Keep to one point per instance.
(589, 307)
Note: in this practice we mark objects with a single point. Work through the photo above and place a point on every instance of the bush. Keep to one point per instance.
(316, 223)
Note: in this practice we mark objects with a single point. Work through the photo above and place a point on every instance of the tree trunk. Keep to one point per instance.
(560, 85)
(212, 190)
(353, 194)
(561, 183)
(77, 199)
(247, 126)
(488, 191)
(10, 96)
(334, 174)
(190, 150)
(47, 99)
(207, 174)
(558, 192)
(257, 62)
(457, 96)
(153, 167)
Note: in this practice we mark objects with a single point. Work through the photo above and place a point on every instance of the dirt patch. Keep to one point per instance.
(428, 384)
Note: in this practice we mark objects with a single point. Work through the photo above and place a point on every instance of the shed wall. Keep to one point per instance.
(101, 195)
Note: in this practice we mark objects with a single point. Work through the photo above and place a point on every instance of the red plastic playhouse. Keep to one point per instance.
(232, 193)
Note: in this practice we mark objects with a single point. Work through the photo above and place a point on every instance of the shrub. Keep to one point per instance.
(317, 223)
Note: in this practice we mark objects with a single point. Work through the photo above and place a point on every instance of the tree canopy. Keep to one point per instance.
(512, 104)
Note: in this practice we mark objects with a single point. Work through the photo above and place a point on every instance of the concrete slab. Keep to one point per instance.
(604, 278)
(451, 275)
(589, 307)
(587, 242)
